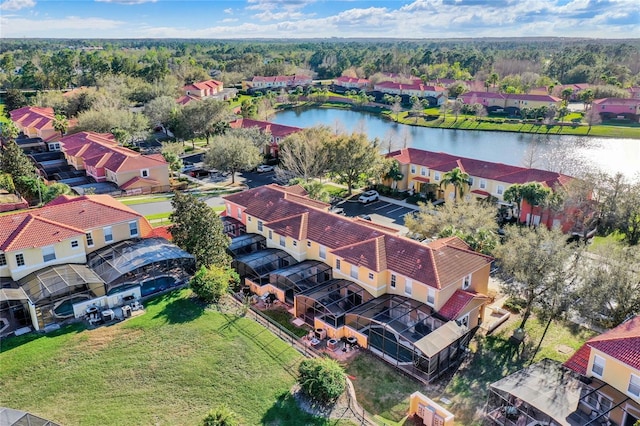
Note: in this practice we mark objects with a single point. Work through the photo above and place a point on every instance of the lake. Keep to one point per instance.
(614, 155)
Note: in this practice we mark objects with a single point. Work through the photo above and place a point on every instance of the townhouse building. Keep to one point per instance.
(424, 171)
(415, 305)
(435, 94)
(37, 122)
(276, 132)
(352, 83)
(510, 103)
(213, 89)
(277, 82)
(617, 108)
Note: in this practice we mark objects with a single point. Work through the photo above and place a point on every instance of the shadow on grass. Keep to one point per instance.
(286, 412)
(9, 343)
(174, 308)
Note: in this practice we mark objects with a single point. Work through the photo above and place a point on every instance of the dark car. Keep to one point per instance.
(199, 173)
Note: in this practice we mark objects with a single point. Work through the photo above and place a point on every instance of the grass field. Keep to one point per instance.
(166, 367)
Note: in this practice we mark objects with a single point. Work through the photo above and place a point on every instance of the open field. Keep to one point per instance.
(166, 367)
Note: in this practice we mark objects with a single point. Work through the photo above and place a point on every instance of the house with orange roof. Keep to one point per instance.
(435, 94)
(106, 161)
(617, 108)
(415, 305)
(277, 132)
(598, 385)
(423, 172)
(351, 82)
(37, 122)
(277, 82)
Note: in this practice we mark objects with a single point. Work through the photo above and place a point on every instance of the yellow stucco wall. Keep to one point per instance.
(33, 258)
(615, 373)
(417, 398)
(159, 174)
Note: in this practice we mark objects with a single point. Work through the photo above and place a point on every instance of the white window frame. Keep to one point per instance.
(594, 401)
(295, 243)
(500, 190)
(408, 287)
(3, 260)
(108, 230)
(239, 213)
(393, 281)
(270, 234)
(436, 176)
(464, 321)
(144, 173)
(600, 365)
(89, 237)
(322, 252)
(354, 273)
(431, 296)
(134, 226)
(229, 209)
(260, 225)
(466, 282)
(483, 184)
(423, 171)
(470, 181)
(371, 276)
(338, 264)
(75, 244)
(20, 259)
(308, 243)
(283, 241)
(413, 169)
(48, 253)
(634, 383)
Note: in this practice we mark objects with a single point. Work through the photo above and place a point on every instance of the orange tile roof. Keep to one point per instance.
(30, 116)
(457, 302)
(131, 182)
(621, 343)
(25, 230)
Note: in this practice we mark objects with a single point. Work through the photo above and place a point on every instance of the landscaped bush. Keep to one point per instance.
(322, 379)
(221, 416)
(210, 284)
(514, 304)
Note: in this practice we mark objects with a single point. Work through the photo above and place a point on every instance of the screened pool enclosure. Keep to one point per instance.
(258, 265)
(296, 278)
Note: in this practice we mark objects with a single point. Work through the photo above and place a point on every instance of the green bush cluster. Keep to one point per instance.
(514, 304)
(322, 379)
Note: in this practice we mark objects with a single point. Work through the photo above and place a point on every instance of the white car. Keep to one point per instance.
(264, 168)
(369, 196)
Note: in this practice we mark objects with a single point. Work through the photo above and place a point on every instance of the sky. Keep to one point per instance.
(288, 19)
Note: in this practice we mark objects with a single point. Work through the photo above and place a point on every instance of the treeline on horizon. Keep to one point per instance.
(520, 63)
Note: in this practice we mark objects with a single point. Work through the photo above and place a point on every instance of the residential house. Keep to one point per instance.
(424, 170)
(203, 89)
(10, 202)
(37, 122)
(598, 385)
(428, 411)
(577, 89)
(106, 161)
(634, 92)
(435, 94)
(617, 108)
(415, 305)
(277, 132)
(277, 82)
(352, 82)
(510, 103)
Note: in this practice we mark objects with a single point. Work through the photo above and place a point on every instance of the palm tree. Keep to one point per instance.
(493, 79)
(60, 124)
(458, 179)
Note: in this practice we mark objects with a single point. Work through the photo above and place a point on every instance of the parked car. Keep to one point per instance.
(262, 168)
(369, 196)
(199, 173)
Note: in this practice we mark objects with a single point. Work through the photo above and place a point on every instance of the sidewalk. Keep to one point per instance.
(399, 203)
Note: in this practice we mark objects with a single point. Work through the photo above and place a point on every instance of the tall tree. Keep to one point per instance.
(202, 117)
(232, 153)
(14, 162)
(304, 154)
(160, 110)
(513, 194)
(13, 100)
(60, 124)
(534, 194)
(539, 261)
(198, 230)
(458, 179)
(351, 156)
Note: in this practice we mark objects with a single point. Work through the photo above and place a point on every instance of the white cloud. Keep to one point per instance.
(70, 26)
(127, 2)
(228, 11)
(278, 16)
(229, 20)
(277, 4)
(17, 4)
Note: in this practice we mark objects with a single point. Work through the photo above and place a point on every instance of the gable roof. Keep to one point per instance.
(617, 101)
(22, 231)
(276, 130)
(30, 116)
(621, 343)
(457, 303)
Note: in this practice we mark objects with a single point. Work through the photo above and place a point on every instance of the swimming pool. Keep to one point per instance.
(156, 284)
(64, 309)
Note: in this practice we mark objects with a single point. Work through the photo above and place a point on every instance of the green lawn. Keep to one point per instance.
(282, 317)
(166, 367)
(381, 389)
(494, 358)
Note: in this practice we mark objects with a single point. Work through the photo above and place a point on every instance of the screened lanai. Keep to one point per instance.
(138, 260)
(330, 301)
(295, 279)
(14, 310)
(257, 265)
(246, 243)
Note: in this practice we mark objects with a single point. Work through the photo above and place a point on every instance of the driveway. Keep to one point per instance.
(385, 211)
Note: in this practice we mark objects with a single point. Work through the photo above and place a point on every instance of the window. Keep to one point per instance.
(144, 173)
(599, 402)
(239, 213)
(371, 275)
(408, 287)
(108, 234)
(423, 171)
(229, 209)
(470, 181)
(354, 271)
(89, 239)
(466, 282)
(393, 281)
(634, 385)
(133, 229)
(431, 297)
(598, 365)
(260, 225)
(500, 190)
(248, 218)
(48, 253)
(20, 259)
(436, 176)
(74, 244)
(3, 260)
(270, 235)
(308, 243)
(338, 264)
(295, 243)
(323, 253)
(483, 184)
(283, 241)
(464, 321)
(413, 169)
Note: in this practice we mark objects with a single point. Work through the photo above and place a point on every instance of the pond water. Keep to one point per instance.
(613, 155)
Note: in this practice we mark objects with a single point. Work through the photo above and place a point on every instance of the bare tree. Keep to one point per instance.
(304, 154)
(390, 141)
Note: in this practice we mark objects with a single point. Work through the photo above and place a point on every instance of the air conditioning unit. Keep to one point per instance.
(321, 333)
(332, 344)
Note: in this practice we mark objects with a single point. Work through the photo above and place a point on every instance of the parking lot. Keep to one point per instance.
(379, 211)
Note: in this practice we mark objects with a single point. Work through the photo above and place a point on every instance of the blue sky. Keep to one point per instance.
(319, 18)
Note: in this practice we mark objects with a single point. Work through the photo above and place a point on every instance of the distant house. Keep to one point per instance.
(36, 122)
(617, 108)
(435, 94)
(634, 92)
(205, 89)
(509, 103)
(278, 132)
(277, 82)
(577, 89)
(106, 161)
(351, 82)
(9, 202)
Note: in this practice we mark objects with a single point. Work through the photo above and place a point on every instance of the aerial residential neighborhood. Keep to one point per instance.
(319, 213)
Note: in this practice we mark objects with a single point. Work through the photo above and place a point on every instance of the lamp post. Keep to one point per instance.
(38, 177)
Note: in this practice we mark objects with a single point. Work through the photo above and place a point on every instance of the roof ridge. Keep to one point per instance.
(381, 253)
(304, 225)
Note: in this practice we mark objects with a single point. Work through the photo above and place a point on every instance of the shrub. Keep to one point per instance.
(210, 284)
(221, 416)
(514, 304)
(322, 379)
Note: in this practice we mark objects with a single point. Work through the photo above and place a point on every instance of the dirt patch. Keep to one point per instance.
(339, 410)
(564, 349)
(102, 337)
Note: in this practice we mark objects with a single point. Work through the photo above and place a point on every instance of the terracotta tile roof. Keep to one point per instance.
(277, 130)
(294, 226)
(481, 95)
(185, 99)
(370, 254)
(30, 116)
(22, 231)
(146, 181)
(162, 232)
(289, 79)
(621, 343)
(579, 361)
(410, 86)
(456, 303)
(295, 189)
(204, 85)
(617, 101)
(534, 98)
(480, 192)
(344, 79)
